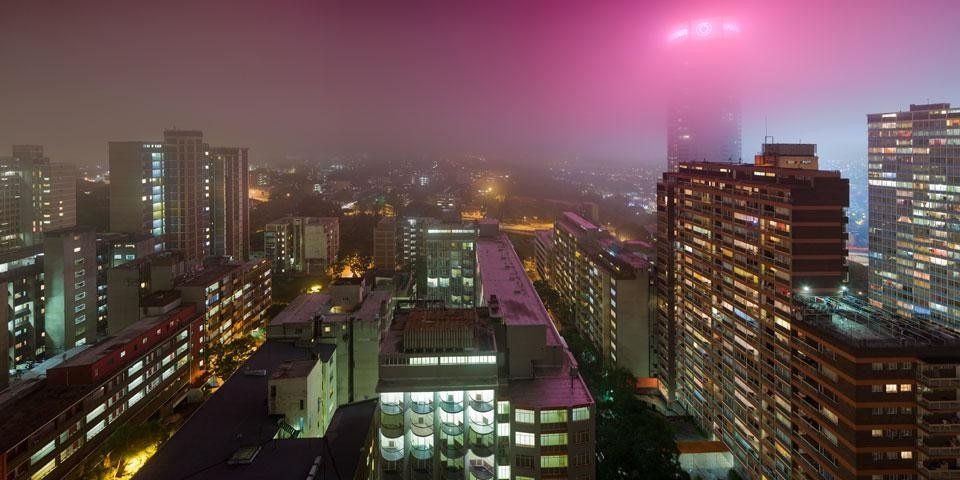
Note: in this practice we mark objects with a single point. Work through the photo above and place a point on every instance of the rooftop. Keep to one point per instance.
(236, 416)
(303, 308)
(24, 415)
(579, 221)
(108, 345)
(209, 275)
(425, 329)
(555, 384)
(855, 323)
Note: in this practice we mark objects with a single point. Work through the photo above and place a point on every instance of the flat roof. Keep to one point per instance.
(24, 415)
(503, 275)
(209, 274)
(108, 345)
(236, 416)
(303, 308)
(855, 323)
(579, 221)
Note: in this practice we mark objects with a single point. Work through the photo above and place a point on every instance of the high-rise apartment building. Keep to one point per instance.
(229, 205)
(187, 194)
(70, 288)
(9, 205)
(746, 239)
(914, 187)
(302, 244)
(609, 289)
(703, 110)
(872, 395)
(483, 393)
(446, 266)
(137, 188)
(37, 196)
(22, 272)
(385, 244)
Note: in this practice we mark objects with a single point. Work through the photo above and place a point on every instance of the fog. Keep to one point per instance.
(539, 79)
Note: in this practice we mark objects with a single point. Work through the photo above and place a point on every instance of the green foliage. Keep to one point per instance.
(225, 358)
(633, 440)
(733, 475)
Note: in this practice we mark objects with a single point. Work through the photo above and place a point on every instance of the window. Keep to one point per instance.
(503, 472)
(581, 459)
(524, 439)
(581, 437)
(551, 439)
(876, 433)
(906, 387)
(553, 461)
(581, 413)
(553, 416)
(523, 416)
(906, 455)
(524, 461)
(301, 404)
(503, 408)
(891, 388)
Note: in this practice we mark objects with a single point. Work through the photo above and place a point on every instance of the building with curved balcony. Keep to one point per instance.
(482, 393)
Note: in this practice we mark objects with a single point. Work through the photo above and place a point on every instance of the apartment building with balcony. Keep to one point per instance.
(304, 245)
(745, 240)
(873, 394)
(610, 290)
(483, 393)
(50, 426)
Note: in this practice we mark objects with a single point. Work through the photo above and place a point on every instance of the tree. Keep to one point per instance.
(224, 358)
(359, 264)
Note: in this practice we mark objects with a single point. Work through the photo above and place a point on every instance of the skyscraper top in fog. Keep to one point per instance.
(703, 110)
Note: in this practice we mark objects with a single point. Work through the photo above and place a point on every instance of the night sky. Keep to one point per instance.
(539, 80)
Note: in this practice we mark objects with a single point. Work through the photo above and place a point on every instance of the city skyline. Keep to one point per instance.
(581, 80)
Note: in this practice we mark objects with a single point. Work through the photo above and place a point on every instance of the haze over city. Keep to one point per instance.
(303, 79)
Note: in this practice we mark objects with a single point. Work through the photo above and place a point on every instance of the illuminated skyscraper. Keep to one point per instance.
(703, 110)
(743, 241)
(187, 193)
(914, 186)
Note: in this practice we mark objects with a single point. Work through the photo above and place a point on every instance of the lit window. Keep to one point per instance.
(906, 387)
(523, 416)
(581, 413)
(553, 416)
(524, 439)
(891, 388)
(553, 461)
(876, 433)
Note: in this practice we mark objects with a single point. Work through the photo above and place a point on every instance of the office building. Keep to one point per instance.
(914, 190)
(445, 267)
(70, 288)
(186, 193)
(609, 289)
(229, 205)
(703, 108)
(385, 244)
(746, 240)
(302, 245)
(137, 188)
(489, 392)
(51, 425)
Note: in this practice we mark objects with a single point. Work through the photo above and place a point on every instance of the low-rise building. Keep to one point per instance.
(51, 425)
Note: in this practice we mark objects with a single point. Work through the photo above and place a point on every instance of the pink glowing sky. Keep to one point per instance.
(540, 78)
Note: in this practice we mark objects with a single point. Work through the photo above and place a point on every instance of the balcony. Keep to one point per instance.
(422, 452)
(391, 454)
(422, 408)
(453, 450)
(481, 405)
(950, 426)
(391, 408)
(939, 405)
(938, 382)
(940, 451)
(452, 473)
(481, 472)
(421, 426)
(944, 472)
(451, 429)
(451, 406)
